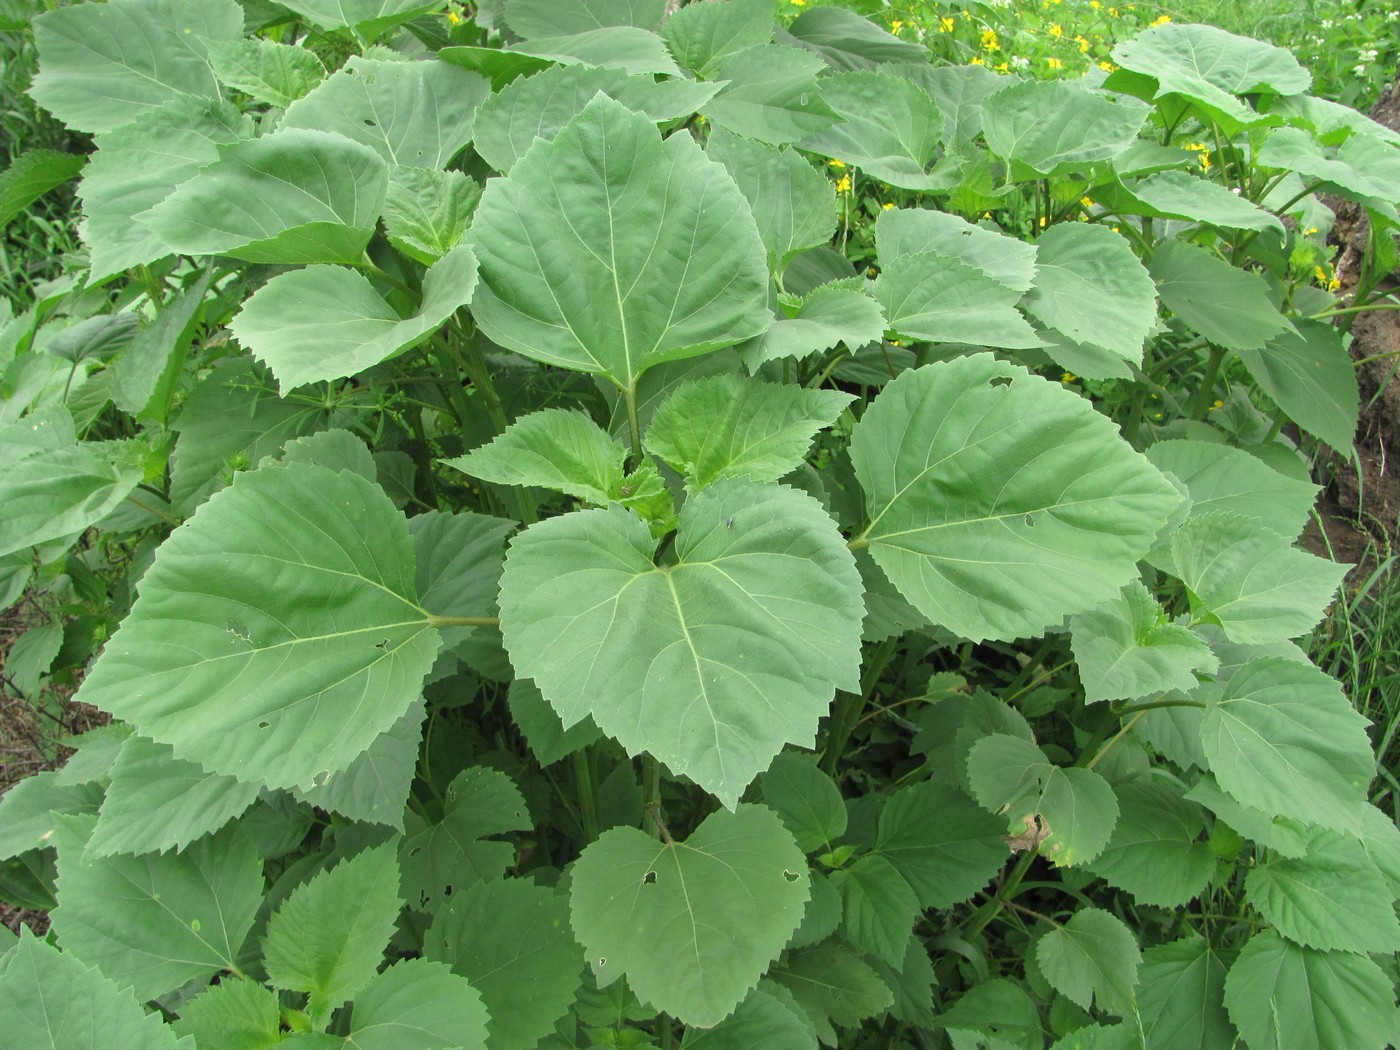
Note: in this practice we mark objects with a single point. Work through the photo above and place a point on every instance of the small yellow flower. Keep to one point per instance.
(1056, 31)
(1217, 403)
(989, 40)
(1107, 67)
(1310, 231)
(947, 24)
(1204, 158)
(1083, 44)
(975, 60)
(1054, 63)
(896, 26)
(1113, 12)
(1086, 201)
(1320, 274)
(887, 205)
(454, 18)
(1160, 20)
(1002, 67)
(834, 163)
(844, 185)
(1095, 4)
(1068, 377)
(1334, 284)
(986, 215)
(1042, 222)
(799, 3)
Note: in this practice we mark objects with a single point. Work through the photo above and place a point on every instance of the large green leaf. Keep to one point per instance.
(420, 1005)
(1181, 195)
(1154, 853)
(1223, 303)
(1000, 502)
(414, 114)
(711, 663)
(1126, 649)
(148, 372)
(1311, 376)
(328, 322)
(556, 448)
(375, 786)
(908, 231)
(537, 18)
(1222, 477)
(278, 74)
(998, 1008)
(56, 493)
(31, 175)
(890, 129)
(1093, 959)
(727, 426)
(1284, 997)
(293, 566)
(938, 298)
(368, 17)
(694, 924)
(1362, 169)
(52, 1000)
(1051, 127)
(294, 196)
(138, 165)
(701, 36)
(771, 95)
(237, 1015)
(328, 936)
(511, 939)
(1332, 897)
(878, 908)
(807, 800)
(1181, 997)
(156, 921)
(29, 807)
(1285, 740)
(105, 65)
(608, 250)
(1256, 585)
(834, 985)
(944, 845)
(848, 41)
(636, 51)
(830, 314)
(1072, 811)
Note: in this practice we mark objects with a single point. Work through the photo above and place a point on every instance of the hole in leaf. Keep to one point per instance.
(649, 878)
(602, 962)
(791, 876)
(1030, 522)
(383, 644)
(415, 851)
(447, 890)
(264, 725)
(370, 124)
(999, 381)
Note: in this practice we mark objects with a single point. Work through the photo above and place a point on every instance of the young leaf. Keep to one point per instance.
(912, 983)
(1126, 649)
(834, 985)
(278, 74)
(54, 494)
(413, 114)
(1285, 997)
(1154, 853)
(771, 95)
(1282, 835)
(1312, 378)
(555, 448)
(1052, 127)
(944, 845)
(105, 65)
(421, 1004)
(693, 925)
(157, 921)
(1221, 477)
(938, 298)
(727, 426)
(1000, 502)
(328, 322)
(1181, 997)
(690, 661)
(511, 939)
(878, 908)
(426, 212)
(147, 372)
(328, 937)
(910, 231)
(1093, 959)
(294, 196)
(1333, 897)
(1227, 305)
(806, 799)
(830, 314)
(199, 663)
(683, 275)
(701, 36)
(1283, 739)
(52, 999)
(1074, 808)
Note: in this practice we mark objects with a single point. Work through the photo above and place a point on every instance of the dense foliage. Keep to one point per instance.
(606, 528)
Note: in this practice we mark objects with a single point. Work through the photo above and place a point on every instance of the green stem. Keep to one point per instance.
(473, 362)
(993, 907)
(634, 426)
(1341, 310)
(1124, 731)
(1205, 395)
(463, 621)
(651, 798)
(663, 1022)
(154, 510)
(587, 794)
(1156, 705)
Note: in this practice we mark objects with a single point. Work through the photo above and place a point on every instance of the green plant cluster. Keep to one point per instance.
(606, 528)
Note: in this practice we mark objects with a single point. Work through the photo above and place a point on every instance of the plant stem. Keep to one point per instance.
(1204, 396)
(651, 798)
(463, 621)
(1341, 310)
(587, 795)
(1124, 731)
(990, 909)
(634, 426)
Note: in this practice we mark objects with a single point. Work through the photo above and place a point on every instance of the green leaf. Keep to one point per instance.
(545, 734)
(1333, 897)
(1285, 740)
(1286, 837)
(702, 36)
(1221, 477)
(1000, 1009)
(909, 231)
(328, 322)
(157, 921)
(1285, 997)
(556, 448)
(294, 196)
(1181, 195)
(629, 48)
(889, 129)
(1258, 587)
(328, 937)
(56, 493)
(427, 212)
(1311, 376)
(1092, 958)
(807, 800)
(28, 810)
(1211, 67)
(693, 925)
(1074, 809)
(830, 314)
(199, 663)
(1223, 303)
(1358, 170)
(105, 65)
(1126, 649)
(147, 371)
(771, 95)
(156, 801)
(727, 426)
(138, 165)
(375, 786)
(822, 915)
(682, 275)
(370, 18)
(762, 1019)
(270, 72)
(421, 1005)
(936, 297)
(834, 985)
(51, 1000)
(233, 1015)
(511, 939)
(46, 428)
(1181, 997)
(459, 567)
(1000, 502)
(943, 844)
(912, 984)
(848, 41)
(878, 908)
(702, 662)
(1090, 287)
(537, 18)
(1047, 128)
(1154, 853)
(414, 114)
(31, 175)
(793, 204)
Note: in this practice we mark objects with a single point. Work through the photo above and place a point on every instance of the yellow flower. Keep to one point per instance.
(1310, 231)
(799, 3)
(844, 185)
(1068, 377)
(1056, 31)
(896, 26)
(1107, 67)
(833, 162)
(1054, 63)
(1161, 20)
(989, 40)
(1087, 202)
(887, 205)
(454, 18)
(1083, 44)
(1002, 67)
(975, 60)
(1042, 222)
(1334, 284)
(1095, 4)
(947, 24)
(1113, 12)
(1217, 403)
